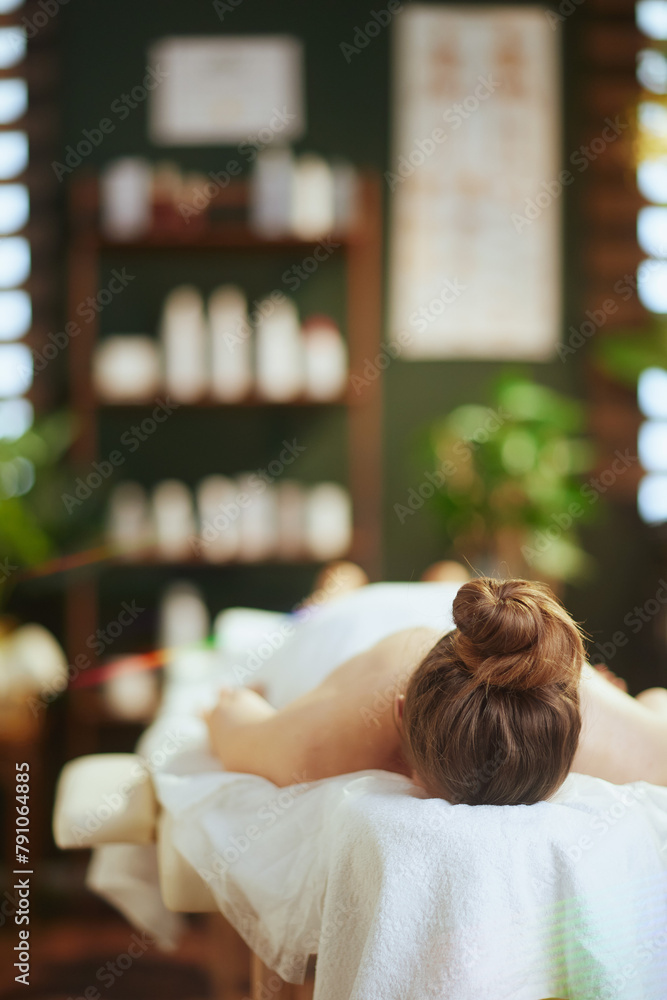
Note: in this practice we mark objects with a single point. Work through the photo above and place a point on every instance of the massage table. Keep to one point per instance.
(400, 896)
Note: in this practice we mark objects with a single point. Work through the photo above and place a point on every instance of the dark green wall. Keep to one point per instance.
(348, 108)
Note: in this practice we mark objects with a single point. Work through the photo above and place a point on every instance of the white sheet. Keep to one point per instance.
(402, 896)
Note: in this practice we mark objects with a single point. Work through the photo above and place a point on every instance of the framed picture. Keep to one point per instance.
(476, 183)
(222, 91)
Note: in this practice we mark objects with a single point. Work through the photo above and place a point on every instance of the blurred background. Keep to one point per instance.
(286, 284)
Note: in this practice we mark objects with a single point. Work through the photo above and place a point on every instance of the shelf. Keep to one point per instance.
(205, 231)
(225, 229)
(248, 401)
(153, 562)
(221, 236)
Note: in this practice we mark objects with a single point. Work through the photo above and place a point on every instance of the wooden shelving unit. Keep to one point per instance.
(361, 248)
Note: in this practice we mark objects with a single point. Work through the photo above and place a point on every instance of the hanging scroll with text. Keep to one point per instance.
(476, 184)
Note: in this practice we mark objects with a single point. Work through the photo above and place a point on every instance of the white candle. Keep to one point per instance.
(126, 198)
(218, 518)
(231, 364)
(175, 526)
(127, 369)
(325, 358)
(328, 521)
(279, 351)
(184, 334)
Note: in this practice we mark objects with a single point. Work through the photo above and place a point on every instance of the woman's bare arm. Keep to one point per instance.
(250, 736)
(344, 725)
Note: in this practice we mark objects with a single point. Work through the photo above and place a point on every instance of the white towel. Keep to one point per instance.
(408, 898)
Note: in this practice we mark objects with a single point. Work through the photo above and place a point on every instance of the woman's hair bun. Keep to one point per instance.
(515, 634)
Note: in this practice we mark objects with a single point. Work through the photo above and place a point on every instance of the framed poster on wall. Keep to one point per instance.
(476, 183)
(225, 90)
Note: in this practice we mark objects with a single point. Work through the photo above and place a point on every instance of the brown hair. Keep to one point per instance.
(491, 715)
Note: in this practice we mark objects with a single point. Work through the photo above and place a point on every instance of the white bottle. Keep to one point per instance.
(325, 359)
(184, 630)
(291, 502)
(258, 521)
(313, 200)
(346, 195)
(174, 518)
(231, 364)
(218, 519)
(328, 521)
(271, 192)
(126, 198)
(184, 336)
(279, 351)
(129, 527)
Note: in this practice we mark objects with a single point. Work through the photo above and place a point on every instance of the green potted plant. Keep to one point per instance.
(511, 499)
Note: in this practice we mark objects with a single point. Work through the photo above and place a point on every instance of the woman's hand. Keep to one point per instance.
(235, 708)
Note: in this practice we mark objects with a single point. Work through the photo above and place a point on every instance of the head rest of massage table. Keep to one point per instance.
(110, 799)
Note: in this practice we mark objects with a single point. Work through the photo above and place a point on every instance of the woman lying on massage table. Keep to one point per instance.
(497, 711)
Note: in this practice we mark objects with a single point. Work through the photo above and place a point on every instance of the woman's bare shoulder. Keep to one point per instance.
(416, 640)
(403, 651)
